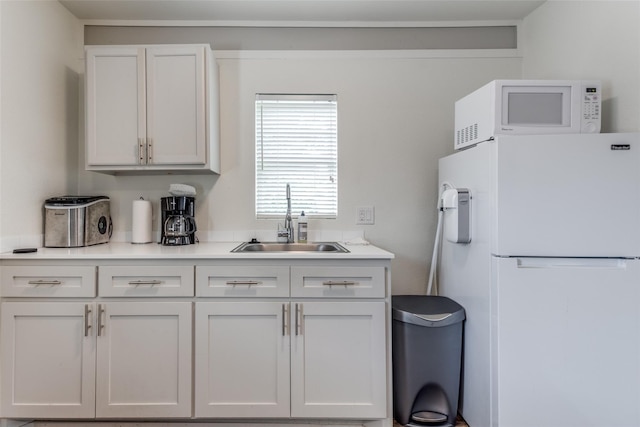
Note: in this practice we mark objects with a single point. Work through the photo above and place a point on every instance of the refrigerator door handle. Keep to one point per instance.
(618, 263)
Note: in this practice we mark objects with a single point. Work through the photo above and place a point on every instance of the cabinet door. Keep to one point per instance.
(176, 117)
(242, 359)
(144, 360)
(338, 360)
(48, 360)
(116, 106)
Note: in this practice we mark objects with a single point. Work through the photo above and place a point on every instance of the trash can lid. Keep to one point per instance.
(426, 310)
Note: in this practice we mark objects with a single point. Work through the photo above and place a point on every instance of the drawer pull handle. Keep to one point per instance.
(243, 282)
(145, 282)
(344, 283)
(45, 282)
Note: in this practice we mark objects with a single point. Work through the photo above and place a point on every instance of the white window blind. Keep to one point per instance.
(296, 144)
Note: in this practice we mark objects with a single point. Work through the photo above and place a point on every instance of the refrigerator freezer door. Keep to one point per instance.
(567, 195)
(567, 342)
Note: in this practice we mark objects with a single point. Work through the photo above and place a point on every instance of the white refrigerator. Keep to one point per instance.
(550, 280)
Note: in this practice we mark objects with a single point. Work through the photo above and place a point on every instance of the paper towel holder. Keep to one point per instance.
(141, 222)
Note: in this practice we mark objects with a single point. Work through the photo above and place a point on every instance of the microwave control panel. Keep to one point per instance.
(591, 103)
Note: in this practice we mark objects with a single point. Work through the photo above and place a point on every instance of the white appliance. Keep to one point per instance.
(527, 107)
(550, 280)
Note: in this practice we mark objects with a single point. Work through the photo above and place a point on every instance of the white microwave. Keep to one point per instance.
(527, 107)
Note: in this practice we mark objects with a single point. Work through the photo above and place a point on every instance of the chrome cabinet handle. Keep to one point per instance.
(45, 282)
(101, 311)
(87, 325)
(299, 326)
(141, 149)
(344, 283)
(149, 150)
(285, 314)
(243, 282)
(145, 282)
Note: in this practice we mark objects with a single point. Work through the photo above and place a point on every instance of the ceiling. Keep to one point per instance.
(302, 12)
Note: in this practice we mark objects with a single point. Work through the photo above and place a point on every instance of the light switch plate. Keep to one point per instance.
(365, 215)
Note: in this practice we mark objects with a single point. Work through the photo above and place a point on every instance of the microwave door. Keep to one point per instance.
(536, 109)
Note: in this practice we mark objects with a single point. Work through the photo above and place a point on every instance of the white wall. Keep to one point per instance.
(42, 49)
(395, 120)
(589, 40)
(1, 179)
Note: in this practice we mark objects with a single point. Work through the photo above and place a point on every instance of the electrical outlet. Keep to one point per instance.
(365, 216)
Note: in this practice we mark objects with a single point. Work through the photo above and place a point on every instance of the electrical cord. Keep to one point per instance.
(436, 245)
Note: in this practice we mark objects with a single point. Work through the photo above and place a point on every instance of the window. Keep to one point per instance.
(296, 144)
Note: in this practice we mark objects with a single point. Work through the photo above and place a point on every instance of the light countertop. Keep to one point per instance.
(217, 250)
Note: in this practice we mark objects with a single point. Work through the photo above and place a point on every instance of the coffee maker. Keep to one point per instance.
(178, 220)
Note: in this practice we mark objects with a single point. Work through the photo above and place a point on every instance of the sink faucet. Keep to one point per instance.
(288, 223)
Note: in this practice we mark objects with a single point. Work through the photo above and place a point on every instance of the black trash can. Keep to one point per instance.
(427, 359)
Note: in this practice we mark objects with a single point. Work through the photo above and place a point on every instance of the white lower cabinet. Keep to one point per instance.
(143, 364)
(48, 360)
(108, 360)
(290, 359)
(215, 339)
(338, 360)
(242, 359)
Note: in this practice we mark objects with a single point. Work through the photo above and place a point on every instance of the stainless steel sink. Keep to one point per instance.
(291, 247)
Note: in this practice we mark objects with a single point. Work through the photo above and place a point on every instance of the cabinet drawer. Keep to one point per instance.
(338, 281)
(242, 281)
(48, 281)
(146, 281)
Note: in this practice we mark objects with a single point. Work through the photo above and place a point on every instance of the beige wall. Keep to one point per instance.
(589, 40)
(41, 69)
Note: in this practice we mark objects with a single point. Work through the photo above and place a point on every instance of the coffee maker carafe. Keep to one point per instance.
(178, 220)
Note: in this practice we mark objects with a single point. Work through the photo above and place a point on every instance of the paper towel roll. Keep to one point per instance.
(141, 222)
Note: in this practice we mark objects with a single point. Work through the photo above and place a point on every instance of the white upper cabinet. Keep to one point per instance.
(176, 105)
(151, 108)
(116, 106)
